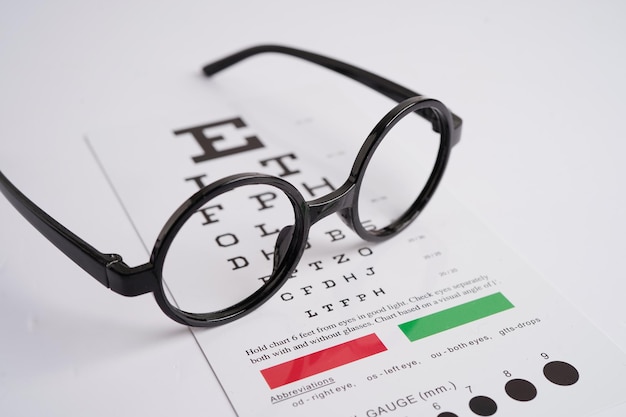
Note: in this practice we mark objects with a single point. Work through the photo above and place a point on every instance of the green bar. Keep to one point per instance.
(455, 316)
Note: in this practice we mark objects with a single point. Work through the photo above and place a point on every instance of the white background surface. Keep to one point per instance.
(539, 85)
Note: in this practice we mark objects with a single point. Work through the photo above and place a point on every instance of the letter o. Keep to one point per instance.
(365, 251)
(220, 240)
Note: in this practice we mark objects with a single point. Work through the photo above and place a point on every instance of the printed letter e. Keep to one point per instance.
(207, 143)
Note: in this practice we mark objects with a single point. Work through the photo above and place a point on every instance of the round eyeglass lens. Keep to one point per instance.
(227, 250)
(397, 172)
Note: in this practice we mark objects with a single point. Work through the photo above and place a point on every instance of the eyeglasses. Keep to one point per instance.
(195, 272)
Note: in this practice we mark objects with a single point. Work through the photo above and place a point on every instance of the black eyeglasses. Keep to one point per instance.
(197, 276)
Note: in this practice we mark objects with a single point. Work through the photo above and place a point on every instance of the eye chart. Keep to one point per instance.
(442, 320)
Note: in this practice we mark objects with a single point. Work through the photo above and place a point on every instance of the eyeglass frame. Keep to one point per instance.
(111, 271)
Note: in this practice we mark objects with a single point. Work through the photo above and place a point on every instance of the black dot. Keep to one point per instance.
(561, 373)
(520, 390)
(483, 406)
(447, 414)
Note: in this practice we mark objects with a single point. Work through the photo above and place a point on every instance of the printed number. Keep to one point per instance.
(506, 374)
(545, 356)
(469, 388)
(436, 406)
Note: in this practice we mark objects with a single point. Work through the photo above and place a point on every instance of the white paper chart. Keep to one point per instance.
(442, 320)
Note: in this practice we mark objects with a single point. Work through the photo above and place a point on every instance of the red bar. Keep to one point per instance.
(323, 360)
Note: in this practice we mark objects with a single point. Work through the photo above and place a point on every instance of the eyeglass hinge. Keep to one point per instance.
(128, 281)
(114, 258)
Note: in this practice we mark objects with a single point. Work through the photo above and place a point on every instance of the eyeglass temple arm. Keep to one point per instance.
(384, 86)
(108, 269)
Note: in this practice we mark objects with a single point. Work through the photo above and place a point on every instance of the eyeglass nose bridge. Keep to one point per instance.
(341, 201)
